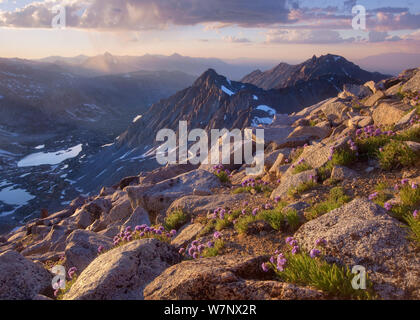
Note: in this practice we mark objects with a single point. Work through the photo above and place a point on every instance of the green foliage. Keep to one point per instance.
(275, 218)
(369, 147)
(324, 172)
(243, 222)
(332, 279)
(336, 199)
(223, 177)
(343, 157)
(410, 196)
(215, 251)
(302, 188)
(301, 168)
(208, 228)
(175, 220)
(414, 226)
(411, 134)
(396, 154)
(292, 219)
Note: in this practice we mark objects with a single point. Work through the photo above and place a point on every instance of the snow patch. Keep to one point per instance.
(137, 118)
(255, 97)
(267, 109)
(227, 91)
(257, 121)
(15, 196)
(42, 146)
(51, 158)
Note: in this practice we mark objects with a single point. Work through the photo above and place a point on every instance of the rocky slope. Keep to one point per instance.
(340, 189)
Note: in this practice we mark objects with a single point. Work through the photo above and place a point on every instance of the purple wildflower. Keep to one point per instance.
(416, 214)
(314, 253)
(264, 267)
(100, 249)
(295, 250)
(181, 251)
(373, 196)
(217, 235)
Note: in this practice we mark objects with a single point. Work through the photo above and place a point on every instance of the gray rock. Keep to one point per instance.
(415, 146)
(156, 199)
(317, 155)
(335, 111)
(362, 233)
(292, 181)
(389, 112)
(341, 173)
(138, 217)
(120, 211)
(82, 248)
(20, 278)
(187, 234)
(405, 120)
(196, 205)
(357, 91)
(413, 84)
(223, 278)
(122, 273)
(310, 132)
(372, 100)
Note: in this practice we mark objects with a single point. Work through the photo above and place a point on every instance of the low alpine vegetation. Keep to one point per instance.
(222, 173)
(175, 220)
(302, 188)
(311, 269)
(336, 199)
(301, 166)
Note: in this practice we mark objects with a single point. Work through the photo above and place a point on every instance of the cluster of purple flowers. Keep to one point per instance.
(373, 131)
(388, 205)
(251, 182)
(293, 243)
(220, 213)
(301, 161)
(352, 145)
(196, 248)
(142, 231)
(218, 169)
(373, 196)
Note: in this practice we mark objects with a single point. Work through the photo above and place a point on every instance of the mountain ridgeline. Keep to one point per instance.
(285, 75)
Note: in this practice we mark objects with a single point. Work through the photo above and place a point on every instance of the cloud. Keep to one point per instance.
(233, 39)
(305, 36)
(151, 14)
(381, 36)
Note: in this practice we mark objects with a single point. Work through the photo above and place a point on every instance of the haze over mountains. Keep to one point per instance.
(113, 64)
(75, 108)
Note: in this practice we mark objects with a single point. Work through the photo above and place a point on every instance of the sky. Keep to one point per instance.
(286, 30)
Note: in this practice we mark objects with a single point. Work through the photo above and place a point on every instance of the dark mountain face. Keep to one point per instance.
(285, 75)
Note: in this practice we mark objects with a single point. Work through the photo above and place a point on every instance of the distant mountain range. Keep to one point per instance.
(390, 63)
(113, 64)
(285, 75)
